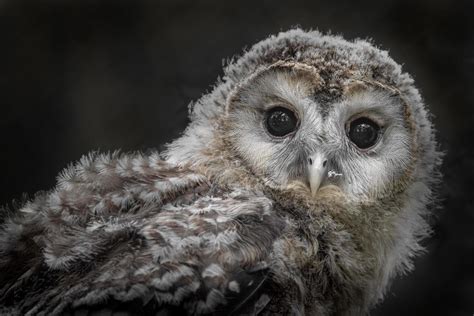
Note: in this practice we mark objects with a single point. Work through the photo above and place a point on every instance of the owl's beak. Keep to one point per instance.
(317, 171)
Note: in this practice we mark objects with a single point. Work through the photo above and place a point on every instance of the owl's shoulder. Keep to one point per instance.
(125, 228)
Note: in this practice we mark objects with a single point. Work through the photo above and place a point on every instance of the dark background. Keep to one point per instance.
(76, 76)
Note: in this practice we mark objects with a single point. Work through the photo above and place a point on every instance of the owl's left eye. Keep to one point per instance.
(280, 121)
(363, 132)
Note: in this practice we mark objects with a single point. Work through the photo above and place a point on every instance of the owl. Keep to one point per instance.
(302, 186)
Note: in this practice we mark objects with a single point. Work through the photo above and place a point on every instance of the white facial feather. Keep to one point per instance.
(322, 128)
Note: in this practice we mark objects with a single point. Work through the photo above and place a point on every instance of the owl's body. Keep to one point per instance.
(300, 187)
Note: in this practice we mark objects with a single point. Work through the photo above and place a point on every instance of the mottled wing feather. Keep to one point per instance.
(120, 230)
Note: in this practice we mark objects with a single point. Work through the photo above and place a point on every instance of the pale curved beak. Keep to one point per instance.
(317, 171)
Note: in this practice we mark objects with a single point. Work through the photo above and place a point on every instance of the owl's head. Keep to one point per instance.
(318, 110)
(323, 112)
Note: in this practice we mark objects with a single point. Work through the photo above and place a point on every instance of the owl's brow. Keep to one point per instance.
(275, 99)
(380, 84)
(325, 99)
(395, 92)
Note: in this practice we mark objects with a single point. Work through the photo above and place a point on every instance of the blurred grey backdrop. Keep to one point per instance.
(77, 76)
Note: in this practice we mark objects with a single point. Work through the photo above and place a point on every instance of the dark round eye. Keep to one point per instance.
(363, 132)
(280, 121)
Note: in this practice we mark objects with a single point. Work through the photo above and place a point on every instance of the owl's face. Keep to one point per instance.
(289, 124)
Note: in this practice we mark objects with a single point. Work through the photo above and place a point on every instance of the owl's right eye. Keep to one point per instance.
(280, 121)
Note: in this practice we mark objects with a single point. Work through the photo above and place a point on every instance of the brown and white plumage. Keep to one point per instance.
(123, 227)
(231, 220)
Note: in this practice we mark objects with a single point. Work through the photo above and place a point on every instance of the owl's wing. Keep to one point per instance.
(134, 234)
